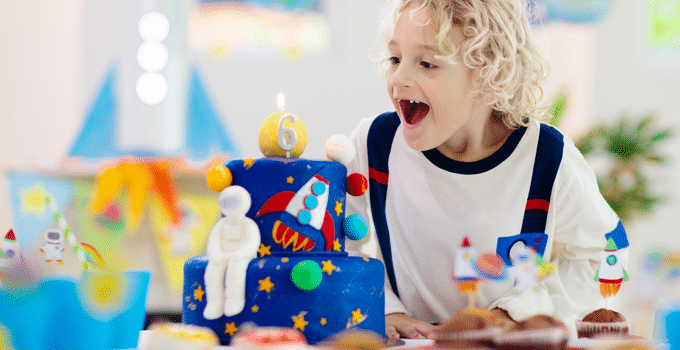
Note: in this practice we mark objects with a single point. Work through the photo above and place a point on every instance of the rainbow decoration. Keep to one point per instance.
(90, 257)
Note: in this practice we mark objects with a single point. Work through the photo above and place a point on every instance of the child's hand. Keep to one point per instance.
(399, 325)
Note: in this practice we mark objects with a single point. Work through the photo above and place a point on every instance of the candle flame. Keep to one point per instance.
(281, 101)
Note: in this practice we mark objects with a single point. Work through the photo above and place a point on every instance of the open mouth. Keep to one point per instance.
(413, 111)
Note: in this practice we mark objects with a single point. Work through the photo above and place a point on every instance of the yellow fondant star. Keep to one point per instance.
(199, 293)
(357, 317)
(290, 179)
(323, 321)
(338, 208)
(366, 259)
(284, 260)
(255, 309)
(299, 321)
(266, 285)
(230, 328)
(264, 250)
(336, 245)
(248, 162)
(328, 267)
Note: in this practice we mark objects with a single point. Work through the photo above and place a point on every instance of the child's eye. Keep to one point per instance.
(427, 64)
(394, 60)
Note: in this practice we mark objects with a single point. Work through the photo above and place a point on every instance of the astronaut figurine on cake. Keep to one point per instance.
(232, 244)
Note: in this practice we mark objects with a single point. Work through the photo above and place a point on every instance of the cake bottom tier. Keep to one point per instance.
(351, 295)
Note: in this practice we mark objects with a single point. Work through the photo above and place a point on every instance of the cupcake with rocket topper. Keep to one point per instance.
(610, 274)
(298, 275)
(471, 327)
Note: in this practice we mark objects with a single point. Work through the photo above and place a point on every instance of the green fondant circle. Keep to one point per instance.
(306, 275)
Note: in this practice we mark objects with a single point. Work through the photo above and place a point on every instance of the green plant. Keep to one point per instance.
(628, 147)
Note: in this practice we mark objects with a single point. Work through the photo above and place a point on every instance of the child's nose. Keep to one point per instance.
(402, 76)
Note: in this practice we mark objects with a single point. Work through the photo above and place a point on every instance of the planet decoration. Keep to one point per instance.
(340, 148)
(355, 227)
(219, 177)
(274, 129)
(356, 184)
(490, 266)
(306, 275)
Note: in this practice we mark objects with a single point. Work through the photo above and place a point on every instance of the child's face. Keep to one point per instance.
(443, 107)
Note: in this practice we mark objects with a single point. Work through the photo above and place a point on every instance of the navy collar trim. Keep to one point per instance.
(470, 168)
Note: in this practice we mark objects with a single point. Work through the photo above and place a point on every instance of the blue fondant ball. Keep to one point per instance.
(355, 227)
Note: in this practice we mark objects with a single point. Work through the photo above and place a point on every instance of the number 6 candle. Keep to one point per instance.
(282, 134)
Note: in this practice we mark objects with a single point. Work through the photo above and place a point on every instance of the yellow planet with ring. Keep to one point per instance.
(268, 138)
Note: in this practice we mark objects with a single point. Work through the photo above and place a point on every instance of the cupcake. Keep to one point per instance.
(177, 336)
(602, 322)
(354, 339)
(536, 332)
(469, 328)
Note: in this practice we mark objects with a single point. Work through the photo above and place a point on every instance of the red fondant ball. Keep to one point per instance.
(356, 184)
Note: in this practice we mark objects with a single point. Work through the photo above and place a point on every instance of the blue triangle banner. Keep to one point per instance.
(97, 139)
(206, 135)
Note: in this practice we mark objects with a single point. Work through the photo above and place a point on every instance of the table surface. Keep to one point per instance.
(579, 343)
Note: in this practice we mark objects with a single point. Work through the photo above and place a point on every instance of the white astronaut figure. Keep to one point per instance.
(53, 246)
(232, 244)
(524, 268)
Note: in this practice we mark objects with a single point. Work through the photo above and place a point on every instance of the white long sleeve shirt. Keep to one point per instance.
(432, 202)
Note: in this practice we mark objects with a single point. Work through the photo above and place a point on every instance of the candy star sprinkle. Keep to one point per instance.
(264, 250)
(289, 179)
(357, 317)
(299, 321)
(230, 328)
(198, 294)
(248, 162)
(266, 285)
(338, 208)
(328, 267)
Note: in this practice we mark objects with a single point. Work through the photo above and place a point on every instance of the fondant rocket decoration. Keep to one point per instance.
(610, 273)
(9, 250)
(307, 207)
(463, 271)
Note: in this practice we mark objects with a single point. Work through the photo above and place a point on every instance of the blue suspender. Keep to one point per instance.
(380, 137)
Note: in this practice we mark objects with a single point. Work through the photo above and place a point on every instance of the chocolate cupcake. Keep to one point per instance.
(469, 328)
(602, 322)
(537, 332)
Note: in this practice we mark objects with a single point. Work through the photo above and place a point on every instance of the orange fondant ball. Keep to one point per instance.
(356, 184)
(219, 177)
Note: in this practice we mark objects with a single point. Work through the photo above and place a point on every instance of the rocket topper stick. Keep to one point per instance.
(464, 274)
(610, 273)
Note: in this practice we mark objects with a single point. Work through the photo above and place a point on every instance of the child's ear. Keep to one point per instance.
(487, 98)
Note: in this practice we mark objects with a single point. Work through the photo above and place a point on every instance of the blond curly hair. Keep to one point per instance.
(498, 44)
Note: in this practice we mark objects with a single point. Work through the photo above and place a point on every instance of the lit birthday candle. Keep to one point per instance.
(282, 133)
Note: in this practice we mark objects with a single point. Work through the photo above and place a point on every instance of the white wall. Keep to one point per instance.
(53, 57)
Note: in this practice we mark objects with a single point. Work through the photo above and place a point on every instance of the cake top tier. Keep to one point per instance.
(298, 204)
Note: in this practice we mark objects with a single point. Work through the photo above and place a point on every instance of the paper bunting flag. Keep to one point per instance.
(137, 178)
(105, 232)
(176, 243)
(30, 213)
